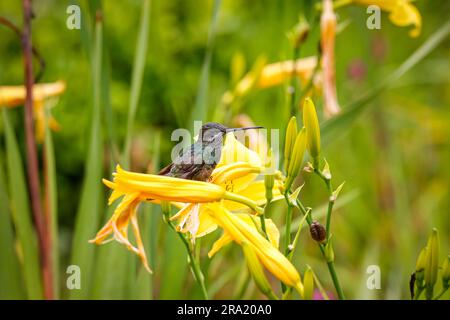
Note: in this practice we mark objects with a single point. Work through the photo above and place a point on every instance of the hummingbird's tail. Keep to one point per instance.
(164, 171)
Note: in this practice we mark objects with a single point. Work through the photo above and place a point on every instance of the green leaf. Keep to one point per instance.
(10, 277)
(51, 206)
(174, 267)
(88, 214)
(137, 76)
(22, 215)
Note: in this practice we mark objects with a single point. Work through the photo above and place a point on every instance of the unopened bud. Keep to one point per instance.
(291, 134)
(446, 273)
(420, 267)
(329, 252)
(432, 258)
(432, 263)
(299, 32)
(257, 271)
(298, 153)
(308, 283)
(311, 124)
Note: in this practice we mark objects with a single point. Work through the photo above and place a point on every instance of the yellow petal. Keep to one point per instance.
(405, 14)
(166, 188)
(219, 244)
(240, 231)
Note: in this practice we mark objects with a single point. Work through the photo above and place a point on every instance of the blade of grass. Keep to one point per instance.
(136, 79)
(200, 111)
(22, 215)
(111, 283)
(50, 206)
(144, 280)
(341, 123)
(10, 277)
(88, 214)
(174, 267)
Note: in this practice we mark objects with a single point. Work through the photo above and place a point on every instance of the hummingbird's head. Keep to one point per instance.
(213, 130)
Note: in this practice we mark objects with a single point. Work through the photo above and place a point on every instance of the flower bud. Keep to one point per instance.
(291, 134)
(421, 260)
(308, 283)
(257, 271)
(311, 124)
(299, 32)
(329, 252)
(432, 263)
(432, 258)
(420, 268)
(318, 231)
(296, 161)
(269, 181)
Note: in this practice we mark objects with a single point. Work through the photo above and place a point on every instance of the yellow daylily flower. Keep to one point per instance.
(401, 13)
(135, 188)
(231, 181)
(13, 96)
(238, 229)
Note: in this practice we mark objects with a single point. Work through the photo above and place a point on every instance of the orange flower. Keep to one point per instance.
(328, 33)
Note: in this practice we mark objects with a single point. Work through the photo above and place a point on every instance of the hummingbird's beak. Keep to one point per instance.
(244, 128)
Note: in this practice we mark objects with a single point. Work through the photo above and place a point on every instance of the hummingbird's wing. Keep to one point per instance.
(189, 165)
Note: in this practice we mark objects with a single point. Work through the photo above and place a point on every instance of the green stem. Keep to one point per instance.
(331, 268)
(335, 279)
(297, 236)
(287, 235)
(418, 293)
(310, 83)
(293, 87)
(192, 261)
(263, 223)
(327, 182)
(248, 202)
(440, 293)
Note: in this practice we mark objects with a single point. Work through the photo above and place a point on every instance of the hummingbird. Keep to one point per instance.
(198, 161)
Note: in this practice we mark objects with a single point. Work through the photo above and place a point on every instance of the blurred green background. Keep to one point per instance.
(394, 157)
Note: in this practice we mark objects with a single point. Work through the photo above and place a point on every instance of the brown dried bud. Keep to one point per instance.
(318, 231)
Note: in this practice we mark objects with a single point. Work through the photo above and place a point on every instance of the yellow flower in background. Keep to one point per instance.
(401, 12)
(13, 96)
(276, 73)
(237, 228)
(328, 24)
